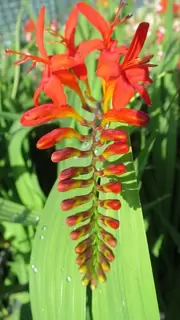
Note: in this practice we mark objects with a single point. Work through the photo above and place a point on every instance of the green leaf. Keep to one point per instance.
(141, 160)
(26, 183)
(129, 292)
(55, 283)
(17, 213)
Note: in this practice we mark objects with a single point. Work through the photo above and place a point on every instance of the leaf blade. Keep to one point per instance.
(49, 290)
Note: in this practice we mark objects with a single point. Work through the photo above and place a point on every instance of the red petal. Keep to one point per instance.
(37, 94)
(137, 42)
(107, 56)
(138, 74)
(94, 17)
(123, 92)
(80, 71)
(63, 60)
(143, 93)
(53, 89)
(133, 117)
(70, 27)
(40, 34)
(122, 50)
(108, 70)
(86, 47)
(68, 79)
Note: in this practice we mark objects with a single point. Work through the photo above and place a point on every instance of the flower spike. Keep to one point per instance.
(92, 186)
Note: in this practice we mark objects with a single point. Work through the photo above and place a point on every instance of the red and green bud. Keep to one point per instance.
(116, 148)
(85, 255)
(93, 284)
(109, 222)
(114, 187)
(83, 245)
(113, 135)
(78, 217)
(71, 203)
(74, 172)
(70, 184)
(112, 170)
(107, 252)
(66, 153)
(83, 268)
(129, 116)
(104, 262)
(110, 204)
(56, 135)
(47, 112)
(80, 232)
(86, 279)
(108, 238)
(100, 274)
(90, 278)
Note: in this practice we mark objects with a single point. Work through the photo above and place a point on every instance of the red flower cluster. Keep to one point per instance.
(123, 73)
(163, 6)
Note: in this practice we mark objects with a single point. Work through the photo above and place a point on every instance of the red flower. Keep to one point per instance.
(107, 45)
(163, 6)
(54, 25)
(72, 53)
(68, 40)
(29, 28)
(51, 82)
(100, 144)
(122, 80)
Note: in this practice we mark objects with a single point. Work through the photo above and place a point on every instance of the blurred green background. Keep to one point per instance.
(27, 175)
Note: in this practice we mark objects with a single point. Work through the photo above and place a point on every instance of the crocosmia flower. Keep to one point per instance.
(123, 72)
(29, 29)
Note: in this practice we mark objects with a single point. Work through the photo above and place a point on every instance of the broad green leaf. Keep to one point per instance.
(141, 160)
(55, 283)
(129, 292)
(26, 183)
(17, 213)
